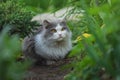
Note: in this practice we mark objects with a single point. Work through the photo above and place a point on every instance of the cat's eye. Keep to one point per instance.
(63, 29)
(53, 30)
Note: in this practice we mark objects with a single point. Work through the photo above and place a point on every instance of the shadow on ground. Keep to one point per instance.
(51, 72)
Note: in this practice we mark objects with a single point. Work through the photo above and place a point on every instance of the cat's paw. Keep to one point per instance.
(50, 62)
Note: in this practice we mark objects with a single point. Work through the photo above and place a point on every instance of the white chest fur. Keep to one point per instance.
(56, 52)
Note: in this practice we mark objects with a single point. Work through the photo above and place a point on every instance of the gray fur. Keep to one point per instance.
(41, 47)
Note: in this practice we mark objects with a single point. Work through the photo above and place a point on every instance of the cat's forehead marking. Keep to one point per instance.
(58, 27)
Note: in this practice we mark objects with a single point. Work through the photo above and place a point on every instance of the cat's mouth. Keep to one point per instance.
(60, 38)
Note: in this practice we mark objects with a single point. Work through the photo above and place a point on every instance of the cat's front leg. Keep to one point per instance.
(50, 62)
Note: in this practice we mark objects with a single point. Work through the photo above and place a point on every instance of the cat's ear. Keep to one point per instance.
(63, 21)
(46, 23)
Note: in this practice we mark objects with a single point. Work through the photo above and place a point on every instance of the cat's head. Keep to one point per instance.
(56, 31)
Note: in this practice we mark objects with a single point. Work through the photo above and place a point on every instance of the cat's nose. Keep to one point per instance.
(60, 35)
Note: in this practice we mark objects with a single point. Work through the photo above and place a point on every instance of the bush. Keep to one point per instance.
(101, 61)
(14, 13)
(10, 68)
(97, 57)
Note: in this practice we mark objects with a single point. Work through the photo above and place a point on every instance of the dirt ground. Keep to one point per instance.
(51, 72)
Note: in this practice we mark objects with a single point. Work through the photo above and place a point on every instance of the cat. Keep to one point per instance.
(51, 42)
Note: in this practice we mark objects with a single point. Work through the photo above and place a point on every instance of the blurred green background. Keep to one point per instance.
(96, 36)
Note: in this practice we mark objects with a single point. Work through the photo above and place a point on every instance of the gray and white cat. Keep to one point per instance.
(52, 41)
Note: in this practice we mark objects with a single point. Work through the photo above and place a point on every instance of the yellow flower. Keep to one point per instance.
(79, 38)
(86, 35)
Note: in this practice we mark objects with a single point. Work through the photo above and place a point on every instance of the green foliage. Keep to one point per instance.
(46, 5)
(58, 4)
(41, 4)
(10, 68)
(102, 59)
(97, 57)
(15, 14)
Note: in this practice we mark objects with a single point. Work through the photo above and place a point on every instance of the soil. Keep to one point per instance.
(49, 72)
